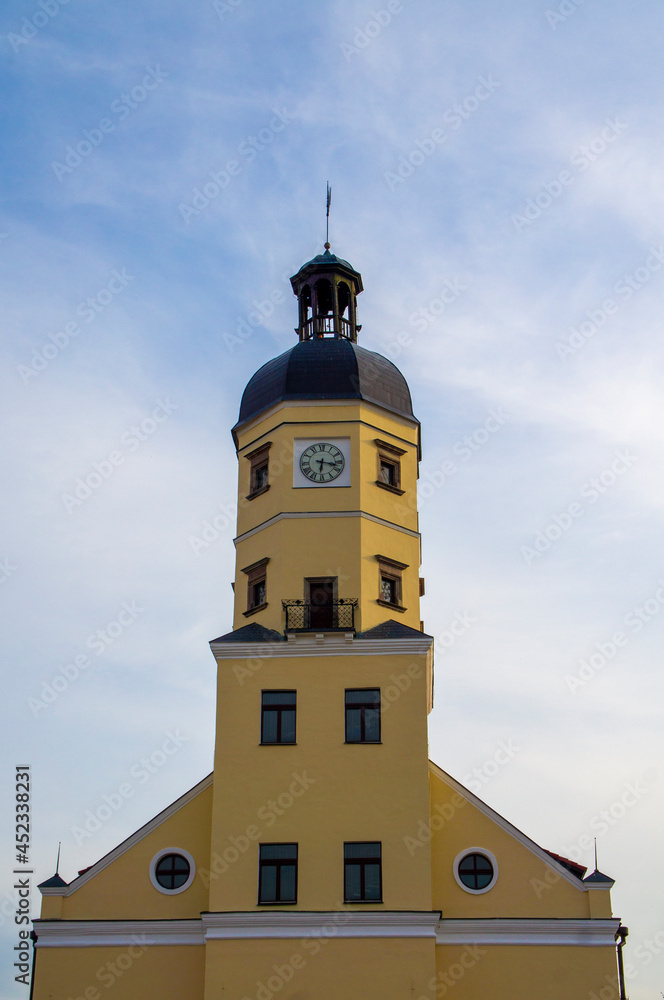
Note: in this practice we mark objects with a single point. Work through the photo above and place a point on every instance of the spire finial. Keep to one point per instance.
(596, 854)
(57, 863)
(327, 217)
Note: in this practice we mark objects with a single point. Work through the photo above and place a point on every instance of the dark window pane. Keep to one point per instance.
(372, 881)
(354, 725)
(278, 851)
(287, 883)
(278, 697)
(268, 891)
(388, 590)
(172, 871)
(370, 696)
(270, 721)
(353, 882)
(387, 473)
(371, 850)
(287, 726)
(475, 871)
(372, 724)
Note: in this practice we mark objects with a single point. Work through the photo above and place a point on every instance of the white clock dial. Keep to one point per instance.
(322, 462)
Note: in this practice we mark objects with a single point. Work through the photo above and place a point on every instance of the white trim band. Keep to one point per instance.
(287, 515)
(339, 923)
(321, 644)
(516, 931)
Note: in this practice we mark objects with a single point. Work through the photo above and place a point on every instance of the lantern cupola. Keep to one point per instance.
(327, 289)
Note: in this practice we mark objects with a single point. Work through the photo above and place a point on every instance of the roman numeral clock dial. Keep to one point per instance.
(322, 462)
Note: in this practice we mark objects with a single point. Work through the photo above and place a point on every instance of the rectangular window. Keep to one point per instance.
(389, 582)
(259, 479)
(363, 715)
(389, 466)
(256, 586)
(362, 873)
(278, 716)
(277, 873)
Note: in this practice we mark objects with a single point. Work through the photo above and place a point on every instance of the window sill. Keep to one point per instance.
(253, 611)
(277, 902)
(392, 489)
(393, 607)
(281, 744)
(355, 743)
(361, 902)
(257, 493)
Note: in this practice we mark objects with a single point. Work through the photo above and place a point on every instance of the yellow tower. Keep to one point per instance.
(326, 855)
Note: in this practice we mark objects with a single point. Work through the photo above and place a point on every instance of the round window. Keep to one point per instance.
(172, 871)
(476, 870)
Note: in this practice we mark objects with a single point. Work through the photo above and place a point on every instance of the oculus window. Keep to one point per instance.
(476, 870)
(172, 871)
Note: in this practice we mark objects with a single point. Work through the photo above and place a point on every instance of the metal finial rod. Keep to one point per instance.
(57, 863)
(327, 217)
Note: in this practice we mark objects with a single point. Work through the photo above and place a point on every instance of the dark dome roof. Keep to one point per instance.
(326, 368)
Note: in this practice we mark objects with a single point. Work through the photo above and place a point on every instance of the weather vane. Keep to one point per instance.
(327, 216)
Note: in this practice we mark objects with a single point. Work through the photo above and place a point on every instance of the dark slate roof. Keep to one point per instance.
(392, 630)
(251, 633)
(54, 882)
(598, 877)
(325, 259)
(326, 368)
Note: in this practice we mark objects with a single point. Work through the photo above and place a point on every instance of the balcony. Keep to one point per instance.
(304, 616)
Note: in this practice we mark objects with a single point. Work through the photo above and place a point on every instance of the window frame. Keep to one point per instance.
(256, 574)
(389, 454)
(259, 459)
(362, 706)
(363, 862)
(468, 852)
(278, 863)
(279, 709)
(390, 569)
(153, 870)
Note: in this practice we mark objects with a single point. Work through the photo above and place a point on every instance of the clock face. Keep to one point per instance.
(322, 462)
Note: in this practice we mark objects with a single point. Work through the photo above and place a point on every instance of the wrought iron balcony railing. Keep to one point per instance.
(304, 616)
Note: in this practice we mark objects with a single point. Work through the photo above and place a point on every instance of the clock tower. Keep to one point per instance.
(325, 855)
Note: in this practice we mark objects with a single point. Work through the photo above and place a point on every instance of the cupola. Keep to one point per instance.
(327, 288)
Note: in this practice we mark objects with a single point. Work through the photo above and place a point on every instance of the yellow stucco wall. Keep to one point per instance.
(320, 968)
(344, 547)
(134, 972)
(490, 972)
(354, 792)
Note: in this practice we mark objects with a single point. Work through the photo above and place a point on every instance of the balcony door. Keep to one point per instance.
(321, 597)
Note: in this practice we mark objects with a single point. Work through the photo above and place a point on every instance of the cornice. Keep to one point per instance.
(117, 933)
(288, 515)
(321, 644)
(338, 923)
(524, 931)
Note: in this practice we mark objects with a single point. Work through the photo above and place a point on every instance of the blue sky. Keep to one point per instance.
(497, 179)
